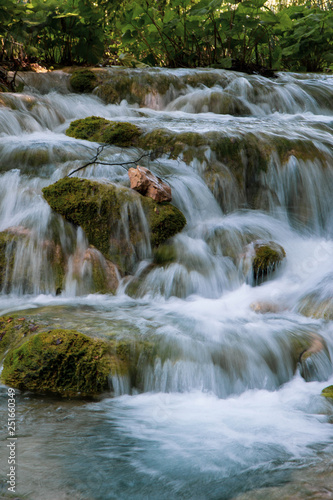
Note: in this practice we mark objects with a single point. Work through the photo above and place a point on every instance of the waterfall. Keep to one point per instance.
(220, 354)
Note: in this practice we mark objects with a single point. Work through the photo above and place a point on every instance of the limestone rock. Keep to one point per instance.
(147, 184)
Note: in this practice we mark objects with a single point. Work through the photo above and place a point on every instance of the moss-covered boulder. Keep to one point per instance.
(328, 392)
(267, 258)
(97, 129)
(61, 361)
(83, 81)
(112, 217)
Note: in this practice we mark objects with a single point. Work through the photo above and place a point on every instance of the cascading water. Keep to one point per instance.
(223, 403)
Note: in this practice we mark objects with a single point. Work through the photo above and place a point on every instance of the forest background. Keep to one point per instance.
(236, 34)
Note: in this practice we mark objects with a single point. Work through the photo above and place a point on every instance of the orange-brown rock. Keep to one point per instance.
(147, 184)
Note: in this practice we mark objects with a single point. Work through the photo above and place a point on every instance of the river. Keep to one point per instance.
(220, 413)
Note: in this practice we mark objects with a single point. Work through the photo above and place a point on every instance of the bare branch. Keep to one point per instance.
(100, 149)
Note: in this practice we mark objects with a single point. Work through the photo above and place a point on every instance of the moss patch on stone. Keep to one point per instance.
(83, 81)
(60, 361)
(97, 208)
(97, 129)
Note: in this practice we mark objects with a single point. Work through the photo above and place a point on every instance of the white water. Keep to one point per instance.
(220, 409)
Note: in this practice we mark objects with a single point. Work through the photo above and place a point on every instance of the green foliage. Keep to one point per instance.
(246, 35)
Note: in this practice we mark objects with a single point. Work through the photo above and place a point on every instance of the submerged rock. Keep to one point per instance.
(117, 221)
(146, 183)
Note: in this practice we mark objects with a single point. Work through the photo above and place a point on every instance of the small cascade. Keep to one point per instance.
(218, 339)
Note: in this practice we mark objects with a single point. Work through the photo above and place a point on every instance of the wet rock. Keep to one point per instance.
(311, 356)
(117, 221)
(147, 184)
(263, 257)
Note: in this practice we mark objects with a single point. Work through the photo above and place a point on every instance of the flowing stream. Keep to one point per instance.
(220, 412)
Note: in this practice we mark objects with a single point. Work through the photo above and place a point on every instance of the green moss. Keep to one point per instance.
(121, 134)
(97, 209)
(60, 361)
(165, 221)
(87, 128)
(97, 129)
(328, 392)
(267, 258)
(83, 81)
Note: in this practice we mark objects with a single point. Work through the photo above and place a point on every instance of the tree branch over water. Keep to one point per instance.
(95, 160)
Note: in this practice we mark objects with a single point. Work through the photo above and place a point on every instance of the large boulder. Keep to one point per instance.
(146, 183)
(117, 220)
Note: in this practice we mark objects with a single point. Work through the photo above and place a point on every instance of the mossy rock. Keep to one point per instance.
(64, 362)
(97, 129)
(328, 392)
(98, 209)
(268, 257)
(67, 362)
(83, 81)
